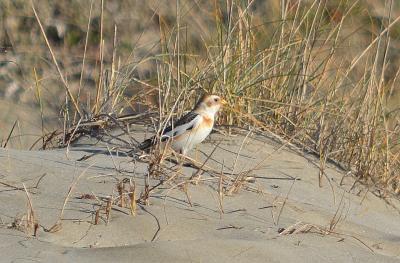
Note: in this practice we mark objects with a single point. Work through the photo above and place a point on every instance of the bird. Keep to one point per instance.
(191, 129)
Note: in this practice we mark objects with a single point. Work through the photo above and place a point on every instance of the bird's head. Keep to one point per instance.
(210, 104)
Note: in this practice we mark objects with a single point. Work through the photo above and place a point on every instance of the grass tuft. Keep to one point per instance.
(320, 75)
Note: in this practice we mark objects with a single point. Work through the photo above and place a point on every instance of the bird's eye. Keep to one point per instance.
(216, 99)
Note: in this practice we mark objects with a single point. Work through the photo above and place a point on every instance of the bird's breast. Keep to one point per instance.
(194, 136)
(207, 122)
(203, 130)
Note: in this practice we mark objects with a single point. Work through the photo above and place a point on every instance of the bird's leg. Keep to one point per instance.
(184, 158)
(196, 153)
(180, 160)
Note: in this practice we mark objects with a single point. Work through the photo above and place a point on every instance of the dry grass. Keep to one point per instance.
(339, 216)
(58, 224)
(28, 222)
(301, 77)
(290, 76)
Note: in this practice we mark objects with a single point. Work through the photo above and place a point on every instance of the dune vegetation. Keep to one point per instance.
(321, 76)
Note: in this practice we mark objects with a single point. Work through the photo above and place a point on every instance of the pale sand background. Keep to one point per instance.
(246, 232)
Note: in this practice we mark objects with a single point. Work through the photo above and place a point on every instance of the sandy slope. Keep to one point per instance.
(170, 230)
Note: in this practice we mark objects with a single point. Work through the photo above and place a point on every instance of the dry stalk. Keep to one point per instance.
(99, 93)
(55, 62)
(301, 228)
(197, 174)
(97, 217)
(29, 221)
(4, 145)
(221, 191)
(58, 225)
(132, 196)
(338, 216)
(108, 208)
(121, 193)
(185, 188)
(145, 195)
(284, 202)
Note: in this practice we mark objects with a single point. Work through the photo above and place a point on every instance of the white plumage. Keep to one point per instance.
(192, 128)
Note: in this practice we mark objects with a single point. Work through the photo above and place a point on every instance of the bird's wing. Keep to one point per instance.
(187, 122)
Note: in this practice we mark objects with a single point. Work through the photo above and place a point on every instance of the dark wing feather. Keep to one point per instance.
(190, 116)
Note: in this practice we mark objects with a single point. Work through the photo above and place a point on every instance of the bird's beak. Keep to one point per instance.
(223, 102)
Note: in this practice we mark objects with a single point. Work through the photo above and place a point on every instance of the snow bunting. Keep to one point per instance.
(192, 128)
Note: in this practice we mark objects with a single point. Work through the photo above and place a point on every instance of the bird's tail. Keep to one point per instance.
(146, 144)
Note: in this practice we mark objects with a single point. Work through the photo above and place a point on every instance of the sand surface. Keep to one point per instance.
(282, 191)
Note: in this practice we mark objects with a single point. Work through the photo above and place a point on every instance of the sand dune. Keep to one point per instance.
(281, 191)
